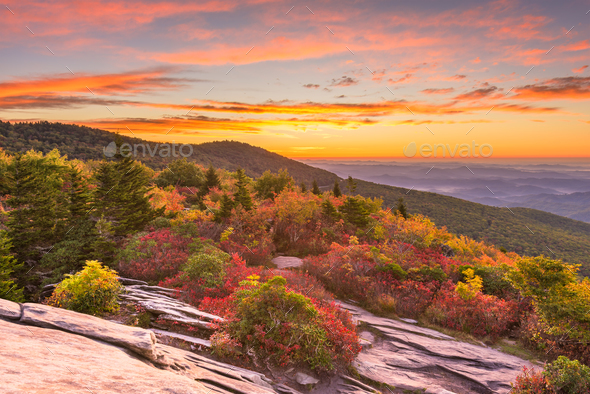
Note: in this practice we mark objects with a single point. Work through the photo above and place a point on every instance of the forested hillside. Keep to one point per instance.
(85, 143)
(549, 234)
(552, 235)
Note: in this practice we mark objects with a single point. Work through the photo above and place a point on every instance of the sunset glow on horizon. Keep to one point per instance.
(327, 79)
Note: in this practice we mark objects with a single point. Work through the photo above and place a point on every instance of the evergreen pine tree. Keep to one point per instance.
(401, 208)
(350, 185)
(8, 289)
(303, 187)
(355, 212)
(37, 218)
(336, 190)
(80, 239)
(329, 210)
(315, 189)
(122, 195)
(224, 212)
(242, 195)
(211, 181)
(79, 195)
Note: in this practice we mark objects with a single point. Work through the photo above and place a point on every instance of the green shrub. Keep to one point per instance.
(562, 376)
(209, 266)
(427, 274)
(567, 376)
(394, 270)
(161, 222)
(493, 277)
(93, 290)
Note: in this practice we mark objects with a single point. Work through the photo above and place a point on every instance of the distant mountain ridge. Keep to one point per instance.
(523, 230)
(85, 143)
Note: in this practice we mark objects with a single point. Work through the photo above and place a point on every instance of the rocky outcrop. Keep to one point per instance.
(410, 357)
(49, 350)
(135, 339)
(283, 262)
(10, 310)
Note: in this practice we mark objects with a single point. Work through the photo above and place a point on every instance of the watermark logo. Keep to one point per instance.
(442, 150)
(135, 150)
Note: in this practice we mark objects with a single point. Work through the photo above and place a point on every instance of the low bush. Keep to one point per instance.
(159, 254)
(540, 336)
(412, 298)
(221, 277)
(478, 314)
(93, 290)
(284, 327)
(393, 269)
(207, 267)
(563, 376)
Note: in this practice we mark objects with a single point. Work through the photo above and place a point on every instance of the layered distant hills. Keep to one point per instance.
(559, 186)
(523, 230)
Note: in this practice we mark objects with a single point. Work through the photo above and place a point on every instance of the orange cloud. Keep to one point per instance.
(457, 77)
(580, 70)
(103, 84)
(438, 91)
(577, 46)
(198, 124)
(566, 88)
(478, 94)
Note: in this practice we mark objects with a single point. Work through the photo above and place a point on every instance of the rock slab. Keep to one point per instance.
(136, 339)
(52, 350)
(9, 310)
(44, 361)
(410, 357)
(287, 262)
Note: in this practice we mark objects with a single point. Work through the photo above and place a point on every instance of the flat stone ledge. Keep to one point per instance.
(10, 310)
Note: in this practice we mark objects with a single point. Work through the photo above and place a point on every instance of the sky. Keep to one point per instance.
(323, 79)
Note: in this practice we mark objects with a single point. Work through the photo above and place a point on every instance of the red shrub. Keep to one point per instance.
(531, 381)
(283, 327)
(412, 298)
(193, 291)
(156, 255)
(480, 316)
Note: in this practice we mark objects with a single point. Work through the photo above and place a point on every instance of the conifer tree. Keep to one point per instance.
(350, 185)
(315, 189)
(355, 212)
(211, 181)
(226, 205)
(38, 215)
(242, 196)
(8, 264)
(329, 210)
(401, 208)
(303, 187)
(80, 240)
(79, 195)
(122, 195)
(336, 190)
